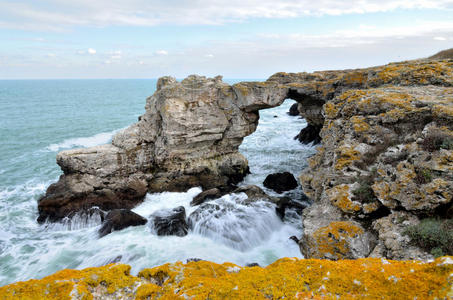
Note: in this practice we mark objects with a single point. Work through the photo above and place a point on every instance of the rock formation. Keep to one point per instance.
(385, 161)
(287, 278)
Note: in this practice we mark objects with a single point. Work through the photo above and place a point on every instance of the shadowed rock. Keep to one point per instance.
(280, 182)
(293, 110)
(206, 195)
(170, 222)
(119, 219)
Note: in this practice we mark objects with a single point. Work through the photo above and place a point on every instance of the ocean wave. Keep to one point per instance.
(95, 140)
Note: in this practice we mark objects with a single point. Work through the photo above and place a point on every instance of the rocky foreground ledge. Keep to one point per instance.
(287, 278)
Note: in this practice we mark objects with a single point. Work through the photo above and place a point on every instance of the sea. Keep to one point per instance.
(39, 118)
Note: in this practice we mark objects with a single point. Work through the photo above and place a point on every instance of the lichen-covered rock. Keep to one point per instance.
(191, 130)
(287, 278)
(338, 240)
(386, 149)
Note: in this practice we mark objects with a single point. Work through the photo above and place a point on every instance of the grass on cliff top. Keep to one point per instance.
(433, 235)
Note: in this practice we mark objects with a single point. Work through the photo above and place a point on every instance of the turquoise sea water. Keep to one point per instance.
(41, 117)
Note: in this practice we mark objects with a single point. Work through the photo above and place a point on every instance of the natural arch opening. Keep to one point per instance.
(272, 148)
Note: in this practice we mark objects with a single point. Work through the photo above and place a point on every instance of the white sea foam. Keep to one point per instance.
(95, 140)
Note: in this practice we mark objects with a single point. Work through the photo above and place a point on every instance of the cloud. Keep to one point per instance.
(439, 38)
(32, 15)
(91, 51)
(161, 52)
(209, 55)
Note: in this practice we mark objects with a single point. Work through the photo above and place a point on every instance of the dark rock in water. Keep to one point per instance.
(252, 265)
(293, 110)
(206, 195)
(287, 203)
(280, 182)
(115, 260)
(193, 259)
(119, 219)
(294, 238)
(170, 221)
(309, 134)
(61, 201)
(275, 116)
(255, 193)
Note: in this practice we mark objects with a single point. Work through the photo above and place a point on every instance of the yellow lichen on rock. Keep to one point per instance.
(73, 284)
(359, 124)
(287, 278)
(346, 156)
(340, 196)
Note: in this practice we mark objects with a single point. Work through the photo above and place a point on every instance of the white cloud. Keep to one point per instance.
(81, 52)
(209, 55)
(50, 54)
(36, 15)
(439, 38)
(161, 52)
(91, 51)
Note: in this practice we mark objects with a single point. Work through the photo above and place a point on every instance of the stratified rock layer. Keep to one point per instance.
(287, 278)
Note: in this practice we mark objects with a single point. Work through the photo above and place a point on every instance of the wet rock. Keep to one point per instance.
(205, 196)
(293, 110)
(170, 222)
(285, 203)
(235, 220)
(119, 219)
(309, 134)
(294, 238)
(252, 265)
(255, 193)
(280, 182)
(193, 260)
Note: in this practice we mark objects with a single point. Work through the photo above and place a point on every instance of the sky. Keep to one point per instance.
(59, 39)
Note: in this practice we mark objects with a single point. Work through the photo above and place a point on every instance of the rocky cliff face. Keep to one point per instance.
(286, 278)
(385, 161)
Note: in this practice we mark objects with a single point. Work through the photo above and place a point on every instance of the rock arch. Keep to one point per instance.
(188, 136)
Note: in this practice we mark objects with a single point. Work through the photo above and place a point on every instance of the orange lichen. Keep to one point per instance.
(340, 196)
(359, 124)
(346, 155)
(330, 110)
(333, 240)
(288, 278)
(111, 278)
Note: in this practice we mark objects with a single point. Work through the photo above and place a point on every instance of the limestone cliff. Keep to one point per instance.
(386, 158)
(287, 278)
(385, 163)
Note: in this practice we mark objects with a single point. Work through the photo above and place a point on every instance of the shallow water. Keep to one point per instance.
(46, 116)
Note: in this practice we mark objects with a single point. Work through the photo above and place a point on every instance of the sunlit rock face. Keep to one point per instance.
(385, 163)
(376, 157)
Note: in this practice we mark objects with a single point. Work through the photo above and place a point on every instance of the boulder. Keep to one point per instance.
(285, 203)
(280, 182)
(293, 110)
(170, 222)
(309, 134)
(205, 196)
(118, 219)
